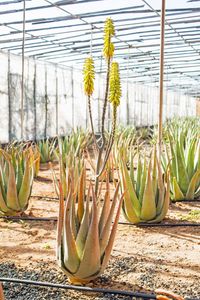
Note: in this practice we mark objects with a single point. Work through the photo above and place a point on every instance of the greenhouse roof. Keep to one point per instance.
(61, 31)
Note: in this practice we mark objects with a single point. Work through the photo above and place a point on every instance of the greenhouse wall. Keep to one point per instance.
(54, 101)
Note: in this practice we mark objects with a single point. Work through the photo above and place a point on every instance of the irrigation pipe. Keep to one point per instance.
(79, 288)
(56, 198)
(47, 198)
(83, 288)
(54, 219)
(27, 218)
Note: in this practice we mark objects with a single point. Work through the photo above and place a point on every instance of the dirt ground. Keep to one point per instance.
(143, 259)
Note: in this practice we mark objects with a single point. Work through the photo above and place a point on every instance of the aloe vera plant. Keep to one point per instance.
(188, 127)
(76, 142)
(183, 158)
(125, 134)
(70, 163)
(85, 233)
(17, 149)
(47, 150)
(36, 164)
(144, 133)
(184, 128)
(146, 196)
(124, 145)
(16, 179)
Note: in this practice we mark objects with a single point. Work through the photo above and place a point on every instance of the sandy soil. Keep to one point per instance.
(142, 258)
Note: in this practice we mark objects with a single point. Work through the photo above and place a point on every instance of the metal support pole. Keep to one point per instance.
(162, 45)
(22, 83)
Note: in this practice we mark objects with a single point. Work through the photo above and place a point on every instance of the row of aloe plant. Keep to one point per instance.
(181, 157)
(76, 142)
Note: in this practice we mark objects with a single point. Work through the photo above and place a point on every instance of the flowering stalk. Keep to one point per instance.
(114, 98)
(108, 52)
(89, 76)
(112, 93)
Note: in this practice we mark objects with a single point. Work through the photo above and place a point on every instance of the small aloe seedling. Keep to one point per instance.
(16, 179)
(146, 196)
(86, 231)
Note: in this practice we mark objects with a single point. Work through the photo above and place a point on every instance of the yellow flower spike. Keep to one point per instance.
(115, 85)
(89, 75)
(109, 31)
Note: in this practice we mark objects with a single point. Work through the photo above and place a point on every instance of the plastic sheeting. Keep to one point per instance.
(54, 101)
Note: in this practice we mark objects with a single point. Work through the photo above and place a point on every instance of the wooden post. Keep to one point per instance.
(57, 100)
(127, 91)
(162, 45)
(22, 83)
(46, 105)
(34, 99)
(72, 86)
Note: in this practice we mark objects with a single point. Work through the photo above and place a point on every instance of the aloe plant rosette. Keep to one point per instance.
(47, 150)
(183, 158)
(77, 142)
(16, 179)
(85, 232)
(146, 197)
(66, 166)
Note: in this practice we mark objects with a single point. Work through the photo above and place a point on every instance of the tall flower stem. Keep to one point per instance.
(103, 140)
(91, 122)
(110, 142)
(105, 104)
(112, 93)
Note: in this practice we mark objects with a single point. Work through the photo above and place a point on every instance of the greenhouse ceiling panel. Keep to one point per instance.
(65, 32)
